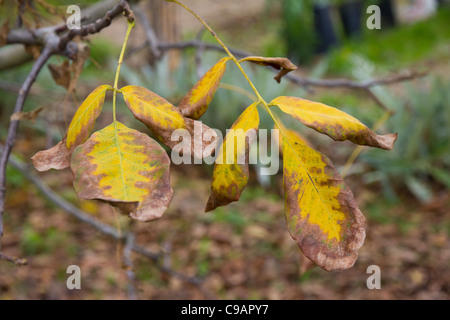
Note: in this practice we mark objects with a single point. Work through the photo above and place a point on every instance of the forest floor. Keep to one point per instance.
(242, 251)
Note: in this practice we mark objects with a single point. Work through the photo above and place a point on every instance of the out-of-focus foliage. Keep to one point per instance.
(297, 31)
(395, 48)
(421, 157)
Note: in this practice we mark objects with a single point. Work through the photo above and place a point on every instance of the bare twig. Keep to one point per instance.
(129, 243)
(16, 261)
(199, 55)
(97, 26)
(377, 100)
(11, 56)
(152, 40)
(163, 46)
(345, 83)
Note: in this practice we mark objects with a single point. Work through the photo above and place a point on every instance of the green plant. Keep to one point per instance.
(298, 31)
(129, 170)
(422, 156)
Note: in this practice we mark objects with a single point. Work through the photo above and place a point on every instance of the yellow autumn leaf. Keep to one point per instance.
(159, 114)
(335, 123)
(231, 172)
(81, 126)
(321, 212)
(125, 168)
(196, 102)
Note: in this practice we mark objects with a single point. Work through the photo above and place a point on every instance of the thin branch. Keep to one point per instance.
(152, 40)
(377, 100)
(12, 130)
(14, 55)
(97, 26)
(16, 261)
(129, 243)
(199, 55)
(164, 46)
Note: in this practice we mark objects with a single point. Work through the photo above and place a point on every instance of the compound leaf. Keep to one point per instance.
(196, 102)
(321, 212)
(81, 126)
(335, 123)
(126, 168)
(231, 173)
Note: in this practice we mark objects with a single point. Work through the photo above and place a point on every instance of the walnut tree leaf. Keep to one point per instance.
(231, 172)
(125, 168)
(162, 118)
(321, 212)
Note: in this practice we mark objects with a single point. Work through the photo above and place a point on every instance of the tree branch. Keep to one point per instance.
(11, 56)
(152, 40)
(129, 243)
(345, 83)
(98, 25)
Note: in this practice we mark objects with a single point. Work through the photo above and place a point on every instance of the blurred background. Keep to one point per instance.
(243, 250)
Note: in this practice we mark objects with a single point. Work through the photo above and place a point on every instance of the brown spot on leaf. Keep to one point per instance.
(283, 64)
(57, 157)
(321, 213)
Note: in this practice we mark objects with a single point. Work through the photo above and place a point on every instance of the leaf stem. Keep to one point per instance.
(119, 64)
(356, 152)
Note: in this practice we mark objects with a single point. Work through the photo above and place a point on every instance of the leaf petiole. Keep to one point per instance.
(119, 64)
